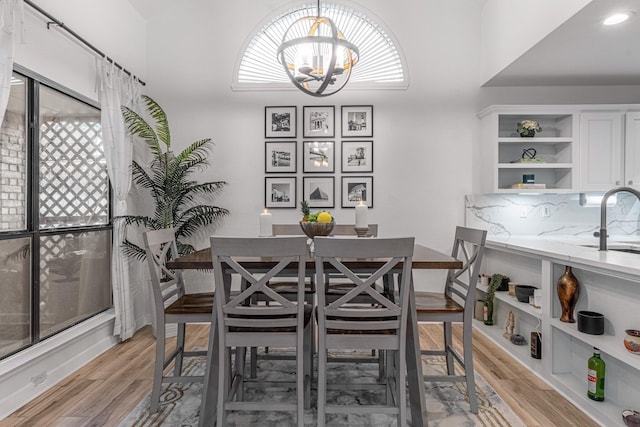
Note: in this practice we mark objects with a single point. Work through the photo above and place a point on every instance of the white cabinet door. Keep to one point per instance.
(632, 150)
(601, 142)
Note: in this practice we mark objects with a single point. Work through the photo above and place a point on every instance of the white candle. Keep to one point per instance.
(361, 215)
(266, 222)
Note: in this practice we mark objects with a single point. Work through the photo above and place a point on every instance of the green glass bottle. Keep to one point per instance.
(595, 377)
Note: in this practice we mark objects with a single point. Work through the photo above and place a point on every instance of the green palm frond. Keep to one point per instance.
(179, 201)
(133, 251)
(162, 124)
(138, 127)
(197, 217)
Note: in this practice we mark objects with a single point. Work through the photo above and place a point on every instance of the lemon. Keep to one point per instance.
(324, 217)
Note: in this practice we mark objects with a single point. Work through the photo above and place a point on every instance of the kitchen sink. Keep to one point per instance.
(617, 248)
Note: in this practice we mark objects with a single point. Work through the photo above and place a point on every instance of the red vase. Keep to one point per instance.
(568, 290)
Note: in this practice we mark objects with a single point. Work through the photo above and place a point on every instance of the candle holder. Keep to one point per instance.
(362, 231)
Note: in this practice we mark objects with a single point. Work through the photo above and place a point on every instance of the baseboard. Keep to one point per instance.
(33, 371)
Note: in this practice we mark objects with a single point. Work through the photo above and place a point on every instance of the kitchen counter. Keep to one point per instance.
(609, 282)
(574, 249)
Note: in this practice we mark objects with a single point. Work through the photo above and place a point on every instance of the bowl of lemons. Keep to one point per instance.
(316, 224)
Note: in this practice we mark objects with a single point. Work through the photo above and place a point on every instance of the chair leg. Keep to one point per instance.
(401, 385)
(177, 370)
(223, 384)
(254, 362)
(158, 369)
(448, 348)
(322, 379)
(300, 376)
(467, 341)
(241, 360)
(308, 363)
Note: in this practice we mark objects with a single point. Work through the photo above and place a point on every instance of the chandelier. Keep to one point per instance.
(316, 56)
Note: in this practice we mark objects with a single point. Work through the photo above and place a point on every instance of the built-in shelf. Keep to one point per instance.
(565, 350)
(609, 344)
(555, 145)
(513, 302)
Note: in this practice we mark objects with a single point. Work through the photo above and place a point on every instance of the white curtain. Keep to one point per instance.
(116, 88)
(9, 10)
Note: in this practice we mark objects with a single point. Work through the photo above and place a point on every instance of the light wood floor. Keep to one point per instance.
(102, 392)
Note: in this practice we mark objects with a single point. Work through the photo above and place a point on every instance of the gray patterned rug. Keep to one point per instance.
(446, 402)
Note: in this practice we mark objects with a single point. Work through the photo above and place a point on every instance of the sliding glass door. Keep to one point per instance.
(55, 222)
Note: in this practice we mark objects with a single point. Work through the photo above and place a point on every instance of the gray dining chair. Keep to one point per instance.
(172, 306)
(344, 323)
(287, 287)
(244, 321)
(456, 304)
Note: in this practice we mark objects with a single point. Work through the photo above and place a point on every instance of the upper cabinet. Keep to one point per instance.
(632, 150)
(601, 150)
(545, 162)
(609, 150)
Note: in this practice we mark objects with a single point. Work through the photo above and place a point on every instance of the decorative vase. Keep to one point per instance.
(488, 312)
(529, 133)
(568, 290)
(632, 341)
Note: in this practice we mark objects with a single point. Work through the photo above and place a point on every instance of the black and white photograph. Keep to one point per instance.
(357, 121)
(280, 157)
(356, 189)
(280, 192)
(318, 156)
(280, 122)
(318, 122)
(357, 156)
(319, 191)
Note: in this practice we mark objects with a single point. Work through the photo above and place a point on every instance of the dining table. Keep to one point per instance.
(424, 258)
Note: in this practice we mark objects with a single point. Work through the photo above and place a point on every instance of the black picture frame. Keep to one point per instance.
(319, 191)
(280, 192)
(318, 121)
(318, 156)
(351, 194)
(357, 121)
(357, 156)
(280, 122)
(280, 157)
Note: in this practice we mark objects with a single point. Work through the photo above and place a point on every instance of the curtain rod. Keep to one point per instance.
(78, 37)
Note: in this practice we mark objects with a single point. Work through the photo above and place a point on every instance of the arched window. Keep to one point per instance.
(381, 63)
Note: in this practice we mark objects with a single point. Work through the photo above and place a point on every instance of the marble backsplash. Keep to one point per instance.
(549, 214)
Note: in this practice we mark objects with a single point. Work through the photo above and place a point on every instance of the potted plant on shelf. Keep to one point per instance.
(528, 128)
(494, 283)
(179, 201)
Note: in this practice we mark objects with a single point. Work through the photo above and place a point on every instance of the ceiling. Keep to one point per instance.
(582, 52)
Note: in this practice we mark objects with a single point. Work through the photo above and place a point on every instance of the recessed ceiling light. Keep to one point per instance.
(616, 18)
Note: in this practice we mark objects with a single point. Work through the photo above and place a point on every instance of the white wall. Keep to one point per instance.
(510, 28)
(114, 27)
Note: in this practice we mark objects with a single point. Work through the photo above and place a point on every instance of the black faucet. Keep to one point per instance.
(603, 212)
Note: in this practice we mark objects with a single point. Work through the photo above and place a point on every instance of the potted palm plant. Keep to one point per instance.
(180, 201)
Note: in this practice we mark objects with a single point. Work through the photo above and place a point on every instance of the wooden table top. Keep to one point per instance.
(424, 258)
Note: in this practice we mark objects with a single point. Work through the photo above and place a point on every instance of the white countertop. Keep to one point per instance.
(570, 248)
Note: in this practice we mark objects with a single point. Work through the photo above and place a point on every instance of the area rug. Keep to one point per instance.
(447, 403)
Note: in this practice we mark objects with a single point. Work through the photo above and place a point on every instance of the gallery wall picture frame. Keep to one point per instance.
(318, 121)
(280, 157)
(319, 191)
(357, 156)
(357, 121)
(318, 156)
(355, 189)
(280, 192)
(280, 122)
